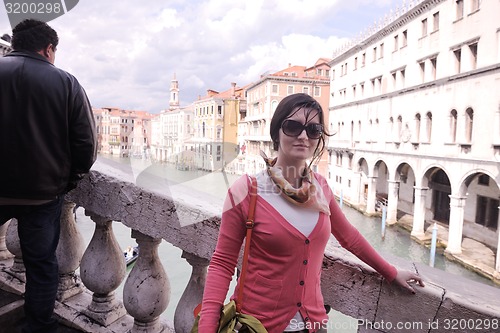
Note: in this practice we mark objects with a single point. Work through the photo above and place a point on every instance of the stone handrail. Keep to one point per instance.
(87, 300)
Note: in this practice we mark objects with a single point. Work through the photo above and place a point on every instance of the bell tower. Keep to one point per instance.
(174, 94)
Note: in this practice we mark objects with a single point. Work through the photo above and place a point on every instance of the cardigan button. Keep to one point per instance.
(307, 241)
(301, 283)
(306, 319)
(305, 262)
(299, 304)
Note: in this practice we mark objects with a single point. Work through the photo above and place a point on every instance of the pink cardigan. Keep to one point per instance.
(284, 266)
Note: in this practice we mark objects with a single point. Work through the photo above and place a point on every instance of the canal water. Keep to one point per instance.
(397, 242)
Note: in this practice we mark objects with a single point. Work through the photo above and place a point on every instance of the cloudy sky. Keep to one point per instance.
(125, 52)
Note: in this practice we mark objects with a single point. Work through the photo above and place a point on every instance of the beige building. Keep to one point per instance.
(216, 128)
(263, 97)
(416, 108)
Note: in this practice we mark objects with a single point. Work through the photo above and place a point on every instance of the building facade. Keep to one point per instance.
(215, 127)
(123, 133)
(263, 97)
(416, 108)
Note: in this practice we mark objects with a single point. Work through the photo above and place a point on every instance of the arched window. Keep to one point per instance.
(359, 130)
(417, 128)
(428, 126)
(453, 125)
(376, 130)
(352, 132)
(391, 128)
(399, 129)
(469, 119)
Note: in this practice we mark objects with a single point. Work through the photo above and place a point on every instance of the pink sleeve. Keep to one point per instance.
(350, 238)
(223, 263)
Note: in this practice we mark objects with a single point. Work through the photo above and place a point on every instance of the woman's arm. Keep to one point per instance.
(224, 260)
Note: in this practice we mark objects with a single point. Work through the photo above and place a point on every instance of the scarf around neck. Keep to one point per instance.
(308, 195)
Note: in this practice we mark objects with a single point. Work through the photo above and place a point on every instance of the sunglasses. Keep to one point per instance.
(294, 128)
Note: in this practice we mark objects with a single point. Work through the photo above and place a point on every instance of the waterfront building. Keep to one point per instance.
(171, 129)
(263, 97)
(216, 117)
(122, 132)
(416, 107)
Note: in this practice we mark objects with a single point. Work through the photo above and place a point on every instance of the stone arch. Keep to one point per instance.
(481, 215)
(438, 181)
(405, 176)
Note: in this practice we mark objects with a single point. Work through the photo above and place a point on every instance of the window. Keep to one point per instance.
(399, 128)
(396, 42)
(424, 27)
(459, 9)
(305, 90)
(433, 68)
(417, 128)
(274, 89)
(453, 125)
(435, 20)
(345, 69)
(483, 180)
(458, 59)
(363, 59)
(362, 88)
(317, 91)
(404, 42)
(428, 126)
(374, 58)
(290, 90)
(422, 70)
(475, 5)
(487, 212)
(394, 81)
(381, 51)
(403, 73)
(355, 63)
(354, 91)
(469, 121)
(473, 55)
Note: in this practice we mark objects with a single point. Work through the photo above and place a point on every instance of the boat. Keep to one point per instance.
(131, 253)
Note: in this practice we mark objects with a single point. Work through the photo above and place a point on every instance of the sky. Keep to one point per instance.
(126, 52)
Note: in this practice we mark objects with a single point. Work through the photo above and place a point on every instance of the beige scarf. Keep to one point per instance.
(309, 195)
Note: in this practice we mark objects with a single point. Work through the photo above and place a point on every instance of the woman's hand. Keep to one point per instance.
(404, 278)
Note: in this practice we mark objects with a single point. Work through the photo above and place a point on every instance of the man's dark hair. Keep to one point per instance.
(33, 35)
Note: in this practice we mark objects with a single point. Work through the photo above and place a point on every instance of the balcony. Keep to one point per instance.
(88, 301)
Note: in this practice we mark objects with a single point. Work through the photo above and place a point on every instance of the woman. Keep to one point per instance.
(295, 214)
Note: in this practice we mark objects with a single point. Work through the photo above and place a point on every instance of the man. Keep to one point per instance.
(47, 144)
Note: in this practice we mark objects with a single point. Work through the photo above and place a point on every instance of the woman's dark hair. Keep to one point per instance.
(287, 108)
(33, 35)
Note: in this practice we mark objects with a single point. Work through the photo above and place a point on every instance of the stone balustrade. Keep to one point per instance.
(89, 277)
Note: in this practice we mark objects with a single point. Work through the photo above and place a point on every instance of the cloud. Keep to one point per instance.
(125, 52)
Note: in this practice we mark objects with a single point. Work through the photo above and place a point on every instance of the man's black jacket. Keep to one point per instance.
(47, 129)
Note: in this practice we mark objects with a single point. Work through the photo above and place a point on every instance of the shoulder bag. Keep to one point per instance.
(231, 319)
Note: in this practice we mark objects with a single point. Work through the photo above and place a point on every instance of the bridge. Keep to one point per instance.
(88, 301)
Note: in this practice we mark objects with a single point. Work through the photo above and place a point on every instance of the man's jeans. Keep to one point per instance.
(38, 229)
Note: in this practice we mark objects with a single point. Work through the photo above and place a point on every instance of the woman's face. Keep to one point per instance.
(296, 142)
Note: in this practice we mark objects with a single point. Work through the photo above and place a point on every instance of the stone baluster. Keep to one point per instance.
(14, 246)
(146, 293)
(193, 294)
(4, 253)
(102, 270)
(69, 254)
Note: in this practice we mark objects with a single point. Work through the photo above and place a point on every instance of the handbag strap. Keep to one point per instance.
(249, 225)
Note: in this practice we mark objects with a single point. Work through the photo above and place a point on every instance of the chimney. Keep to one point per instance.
(233, 89)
